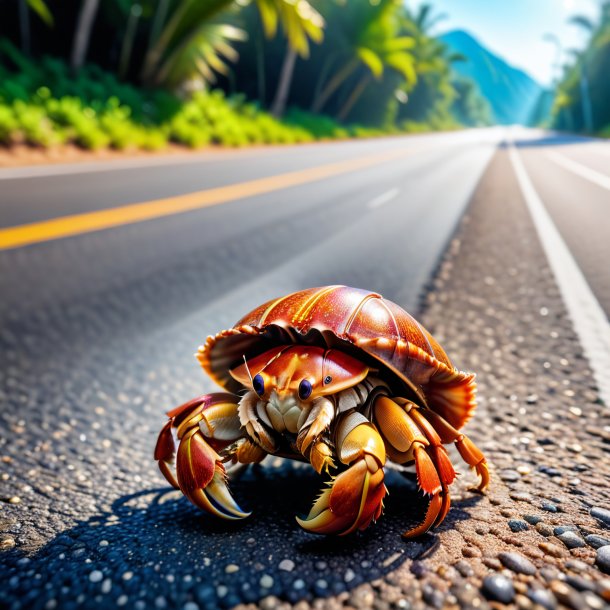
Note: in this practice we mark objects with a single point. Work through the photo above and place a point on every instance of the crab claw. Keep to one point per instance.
(202, 477)
(355, 497)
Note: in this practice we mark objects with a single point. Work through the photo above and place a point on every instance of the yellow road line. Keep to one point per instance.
(65, 226)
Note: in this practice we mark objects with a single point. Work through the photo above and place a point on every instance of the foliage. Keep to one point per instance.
(593, 63)
(376, 70)
(95, 111)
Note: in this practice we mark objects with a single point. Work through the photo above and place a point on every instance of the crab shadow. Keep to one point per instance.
(155, 545)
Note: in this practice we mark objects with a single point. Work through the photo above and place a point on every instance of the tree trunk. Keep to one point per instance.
(354, 97)
(24, 26)
(283, 89)
(128, 39)
(333, 84)
(261, 83)
(84, 25)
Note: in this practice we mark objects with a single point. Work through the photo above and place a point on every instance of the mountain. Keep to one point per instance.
(512, 94)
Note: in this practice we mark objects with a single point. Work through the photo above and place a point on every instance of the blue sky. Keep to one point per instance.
(514, 29)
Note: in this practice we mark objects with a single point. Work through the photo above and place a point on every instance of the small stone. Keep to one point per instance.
(579, 583)
(464, 568)
(544, 529)
(510, 476)
(548, 506)
(601, 514)
(571, 539)
(497, 587)
(349, 575)
(560, 529)
(266, 581)
(596, 541)
(567, 596)
(517, 563)
(190, 606)
(524, 470)
(532, 519)
(287, 565)
(542, 597)
(14, 500)
(551, 549)
(222, 590)
(96, 576)
(232, 568)
(603, 558)
(106, 586)
(577, 566)
(6, 542)
(516, 525)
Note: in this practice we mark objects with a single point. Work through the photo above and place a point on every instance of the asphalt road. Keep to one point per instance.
(97, 332)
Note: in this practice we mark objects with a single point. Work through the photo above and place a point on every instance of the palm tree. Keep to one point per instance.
(369, 43)
(196, 39)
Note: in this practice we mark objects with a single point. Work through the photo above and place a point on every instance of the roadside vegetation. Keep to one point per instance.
(139, 74)
(581, 101)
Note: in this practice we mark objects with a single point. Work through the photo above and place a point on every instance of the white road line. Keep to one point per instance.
(601, 149)
(589, 319)
(383, 198)
(580, 170)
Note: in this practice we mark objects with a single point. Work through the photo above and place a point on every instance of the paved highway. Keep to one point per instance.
(111, 275)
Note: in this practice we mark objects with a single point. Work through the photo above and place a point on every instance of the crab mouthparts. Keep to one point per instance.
(285, 413)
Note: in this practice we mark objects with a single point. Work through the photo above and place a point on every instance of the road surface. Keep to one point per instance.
(111, 275)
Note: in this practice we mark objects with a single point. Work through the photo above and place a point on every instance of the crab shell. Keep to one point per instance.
(358, 322)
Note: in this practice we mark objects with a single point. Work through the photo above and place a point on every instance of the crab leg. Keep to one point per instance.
(409, 437)
(355, 497)
(205, 425)
(470, 453)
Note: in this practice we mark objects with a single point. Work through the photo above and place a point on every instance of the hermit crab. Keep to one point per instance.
(335, 376)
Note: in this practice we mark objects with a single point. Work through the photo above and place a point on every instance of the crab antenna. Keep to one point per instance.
(247, 367)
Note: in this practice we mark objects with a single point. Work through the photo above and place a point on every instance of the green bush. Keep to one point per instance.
(41, 104)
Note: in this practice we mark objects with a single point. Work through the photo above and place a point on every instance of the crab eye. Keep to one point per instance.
(305, 389)
(327, 379)
(258, 384)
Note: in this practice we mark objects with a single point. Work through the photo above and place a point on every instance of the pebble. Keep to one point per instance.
(542, 597)
(551, 549)
(544, 529)
(287, 565)
(517, 563)
(603, 558)
(14, 500)
(516, 525)
(596, 541)
(532, 519)
(548, 506)
(499, 588)
(571, 539)
(510, 476)
(560, 529)
(6, 542)
(266, 581)
(232, 568)
(96, 576)
(601, 514)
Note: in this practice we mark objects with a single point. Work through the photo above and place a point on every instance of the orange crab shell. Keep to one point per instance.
(356, 321)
